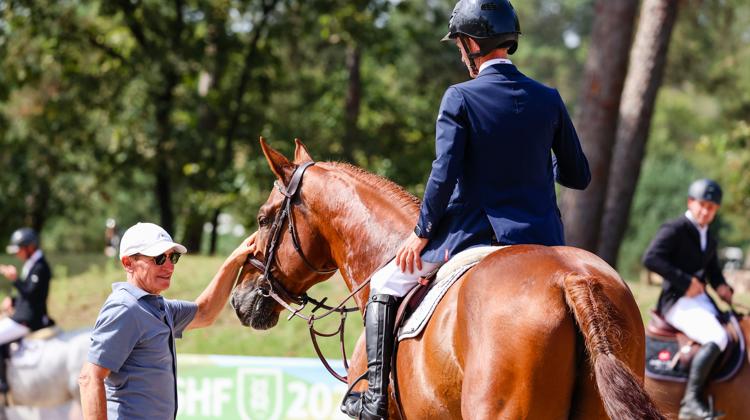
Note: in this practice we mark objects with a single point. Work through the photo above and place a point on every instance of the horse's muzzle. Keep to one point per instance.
(254, 309)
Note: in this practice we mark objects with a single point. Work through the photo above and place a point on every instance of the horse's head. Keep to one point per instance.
(295, 256)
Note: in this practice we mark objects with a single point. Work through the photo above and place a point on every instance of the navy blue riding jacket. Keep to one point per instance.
(502, 140)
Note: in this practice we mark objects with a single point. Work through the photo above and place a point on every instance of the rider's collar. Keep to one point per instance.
(36, 256)
(493, 62)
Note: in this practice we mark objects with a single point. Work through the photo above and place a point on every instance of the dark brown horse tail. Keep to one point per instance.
(622, 393)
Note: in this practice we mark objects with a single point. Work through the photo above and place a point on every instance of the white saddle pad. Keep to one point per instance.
(447, 275)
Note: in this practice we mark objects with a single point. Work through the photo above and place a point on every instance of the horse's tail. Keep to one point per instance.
(622, 393)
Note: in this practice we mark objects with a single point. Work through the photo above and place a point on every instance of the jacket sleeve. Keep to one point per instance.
(658, 259)
(450, 144)
(713, 272)
(38, 276)
(570, 165)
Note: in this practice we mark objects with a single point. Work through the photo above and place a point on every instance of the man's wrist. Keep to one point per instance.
(419, 232)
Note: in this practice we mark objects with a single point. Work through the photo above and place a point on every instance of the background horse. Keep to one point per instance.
(530, 332)
(44, 372)
(729, 396)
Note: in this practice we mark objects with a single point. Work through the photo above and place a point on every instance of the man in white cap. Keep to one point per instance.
(130, 373)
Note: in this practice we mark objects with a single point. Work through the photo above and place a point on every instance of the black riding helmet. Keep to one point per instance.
(492, 23)
(22, 237)
(705, 189)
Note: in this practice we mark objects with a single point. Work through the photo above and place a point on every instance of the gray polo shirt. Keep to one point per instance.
(134, 338)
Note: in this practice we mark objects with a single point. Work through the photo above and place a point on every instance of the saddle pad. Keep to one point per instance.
(446, 276)
(662, 360)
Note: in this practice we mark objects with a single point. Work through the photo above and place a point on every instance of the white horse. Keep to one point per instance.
(43, 372)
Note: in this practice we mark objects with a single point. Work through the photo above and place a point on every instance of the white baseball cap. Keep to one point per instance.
(147, 239)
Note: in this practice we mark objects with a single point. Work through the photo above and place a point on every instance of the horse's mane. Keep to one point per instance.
(380, 183)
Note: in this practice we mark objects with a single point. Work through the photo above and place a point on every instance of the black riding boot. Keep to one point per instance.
(693, 406)
(4, 356)
(379, 319)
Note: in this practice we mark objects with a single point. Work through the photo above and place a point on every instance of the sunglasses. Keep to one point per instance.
(161, 259)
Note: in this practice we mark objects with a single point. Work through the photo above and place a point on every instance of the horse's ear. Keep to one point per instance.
(300, 153)
(279, 164)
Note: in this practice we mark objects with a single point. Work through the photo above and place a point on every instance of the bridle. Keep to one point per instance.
(271, 287)
(274, 289)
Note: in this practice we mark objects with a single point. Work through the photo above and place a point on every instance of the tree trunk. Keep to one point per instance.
(39, 204)
(193, 235)
(596, 119)
(353, 100)
(249, 62)
(214, 232)
(647, 61)
(208, 122)
(162, 162)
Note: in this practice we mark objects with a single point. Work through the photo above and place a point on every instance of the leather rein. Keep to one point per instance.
(273, 288)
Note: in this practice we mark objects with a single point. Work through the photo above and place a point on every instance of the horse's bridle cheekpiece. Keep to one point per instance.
(276, 291)
(274, 288)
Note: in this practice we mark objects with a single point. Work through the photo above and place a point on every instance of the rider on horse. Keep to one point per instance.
(29, 307)
(684, 254)
(492, 181)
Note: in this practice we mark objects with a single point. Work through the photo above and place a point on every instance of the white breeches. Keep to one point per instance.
(696, 317)
(390, 280)
(11, 330)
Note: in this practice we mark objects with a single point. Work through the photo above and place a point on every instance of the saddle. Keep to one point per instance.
(669, 351)
(45, 333)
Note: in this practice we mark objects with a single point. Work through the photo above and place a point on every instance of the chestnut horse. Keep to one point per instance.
(729, 396)
(530, 332)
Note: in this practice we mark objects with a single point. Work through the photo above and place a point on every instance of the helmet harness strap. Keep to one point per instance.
(470, 55)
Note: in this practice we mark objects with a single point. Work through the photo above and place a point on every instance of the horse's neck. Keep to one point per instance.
(368, 228)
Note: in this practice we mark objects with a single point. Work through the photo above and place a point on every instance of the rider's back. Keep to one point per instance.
(508, 172)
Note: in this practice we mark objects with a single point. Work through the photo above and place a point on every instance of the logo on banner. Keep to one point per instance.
(260, 393)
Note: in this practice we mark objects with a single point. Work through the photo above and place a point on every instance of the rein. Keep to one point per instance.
(276, 291)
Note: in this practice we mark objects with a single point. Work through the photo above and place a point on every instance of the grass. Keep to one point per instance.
(81, 283)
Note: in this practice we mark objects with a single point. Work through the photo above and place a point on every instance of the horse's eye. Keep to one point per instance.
(262, 221)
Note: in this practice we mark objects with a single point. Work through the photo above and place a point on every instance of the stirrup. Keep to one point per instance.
(710, 413)
(351, 396)
(350, 402)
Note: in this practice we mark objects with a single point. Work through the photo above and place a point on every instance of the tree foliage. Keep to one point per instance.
(151, 110)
